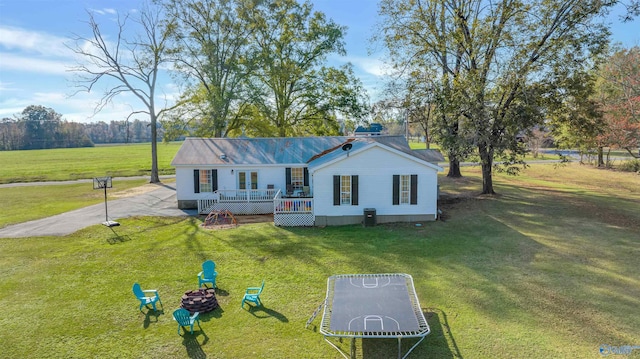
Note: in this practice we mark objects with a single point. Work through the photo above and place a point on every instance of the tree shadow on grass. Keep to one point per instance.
(192, 345)
(263, 312)
(439, 343)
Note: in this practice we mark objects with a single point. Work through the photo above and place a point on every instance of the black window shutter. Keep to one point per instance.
(354, 190)
(287, 175)
(414, 189)
(214, 179)
(196, 181)
(336, 190)
(306, 176)
(396, 190)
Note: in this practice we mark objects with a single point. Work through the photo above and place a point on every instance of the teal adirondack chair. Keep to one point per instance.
(185, 319)
(252, 295)
(146, 299)
(208, 274)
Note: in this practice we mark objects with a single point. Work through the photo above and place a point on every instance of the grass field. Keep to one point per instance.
(80, 163)
(545, 269)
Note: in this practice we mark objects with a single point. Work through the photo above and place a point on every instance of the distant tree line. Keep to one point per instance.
(120, 131)
(39, 127)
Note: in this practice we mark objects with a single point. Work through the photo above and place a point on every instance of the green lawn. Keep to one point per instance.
(548, 268)
(26, 203)
(79, 163)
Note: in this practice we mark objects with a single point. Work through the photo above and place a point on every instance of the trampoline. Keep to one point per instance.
(372, 306)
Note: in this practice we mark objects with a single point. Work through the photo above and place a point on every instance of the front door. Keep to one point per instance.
(247, 180)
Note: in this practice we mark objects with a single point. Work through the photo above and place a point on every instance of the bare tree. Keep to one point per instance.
(133, 63)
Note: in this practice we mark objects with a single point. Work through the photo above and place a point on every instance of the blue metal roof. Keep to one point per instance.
(275, 150)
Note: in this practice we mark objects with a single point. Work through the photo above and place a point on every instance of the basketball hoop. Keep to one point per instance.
(100, 183)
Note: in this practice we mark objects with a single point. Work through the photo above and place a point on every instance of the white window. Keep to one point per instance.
(206, 181)
(345, 190)
(405, 189)
(297, 178)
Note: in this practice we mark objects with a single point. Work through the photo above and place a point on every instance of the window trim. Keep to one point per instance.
(397, 191)
(338, 190)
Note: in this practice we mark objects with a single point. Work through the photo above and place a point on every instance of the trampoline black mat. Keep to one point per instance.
(372, 306)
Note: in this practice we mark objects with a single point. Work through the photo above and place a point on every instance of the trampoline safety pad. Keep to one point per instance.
(373, 306)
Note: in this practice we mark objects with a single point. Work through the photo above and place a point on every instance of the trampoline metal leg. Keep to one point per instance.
(399, 348)
(414, 346)
(353, 347)
(336, 348)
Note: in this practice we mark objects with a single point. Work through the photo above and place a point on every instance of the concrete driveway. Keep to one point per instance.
(160, 202)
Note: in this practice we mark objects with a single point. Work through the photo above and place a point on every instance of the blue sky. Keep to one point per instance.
(34, 60)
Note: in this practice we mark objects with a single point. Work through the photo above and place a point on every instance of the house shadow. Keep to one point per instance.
(192, 345)
(263, 312)
(439, 343)
(151, 316)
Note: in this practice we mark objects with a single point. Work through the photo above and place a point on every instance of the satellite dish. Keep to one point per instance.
(347, 147)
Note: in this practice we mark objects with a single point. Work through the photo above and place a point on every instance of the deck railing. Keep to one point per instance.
(292, 211)
(292, 205)
(287, 211)
(253, 201)
(249, 195)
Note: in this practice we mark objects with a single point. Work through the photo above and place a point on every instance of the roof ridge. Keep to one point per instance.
(330, 149)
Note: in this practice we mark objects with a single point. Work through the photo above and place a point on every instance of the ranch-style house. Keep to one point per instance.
(310, 181)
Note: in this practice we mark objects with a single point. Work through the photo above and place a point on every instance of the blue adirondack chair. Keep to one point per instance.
(146, 299)
(208, 274)
(252, 295)
(185, 319)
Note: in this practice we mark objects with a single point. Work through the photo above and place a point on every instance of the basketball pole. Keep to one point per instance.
(106, 213)
(105, 182)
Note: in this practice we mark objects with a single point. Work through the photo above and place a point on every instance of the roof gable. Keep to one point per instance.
(358, 146)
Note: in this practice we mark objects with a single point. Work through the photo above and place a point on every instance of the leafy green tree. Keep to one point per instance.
(40, 126)
(574, 114)
(11, 134)
(211, 55)
(491, 53)
(429, 63)
(290, 86)
(619, 97)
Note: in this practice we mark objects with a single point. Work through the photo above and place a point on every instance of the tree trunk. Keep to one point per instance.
(454, 167)
(155, 178)
(600, 157)
(486, 158)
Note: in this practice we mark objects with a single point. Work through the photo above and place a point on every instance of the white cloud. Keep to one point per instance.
(30, 64)
(104, 11)
(8, 112)
(369, 65)
(17, 39)
(6, 86)
(372, 66)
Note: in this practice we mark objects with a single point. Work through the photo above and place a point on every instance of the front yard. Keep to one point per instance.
(547, 268)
